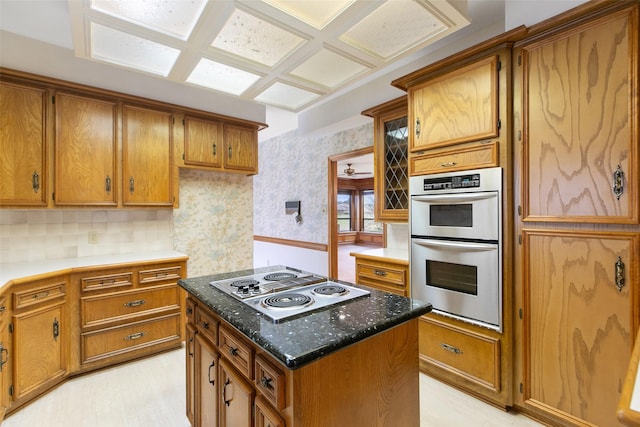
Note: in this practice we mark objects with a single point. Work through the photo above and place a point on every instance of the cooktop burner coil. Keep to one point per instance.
(330, 290)
(275, 277)
(289, 300)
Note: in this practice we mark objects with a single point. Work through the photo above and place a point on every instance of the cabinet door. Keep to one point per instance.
(580, 123)
(190, 344)
(5, 359)
(23, 145)
(241, 145)
(581, 299)
(203, 142)
(391, 180)
(38, 350)
(147, 157)
(457, 107)
(85, 166)
(206, 366)
(237, 395)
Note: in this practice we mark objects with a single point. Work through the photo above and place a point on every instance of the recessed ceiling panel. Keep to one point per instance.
(221, 77)
(317, 13)
(173, 17)
(393, 28)
(131, 51)
(250, 37)
(328, 69)
(286, 96)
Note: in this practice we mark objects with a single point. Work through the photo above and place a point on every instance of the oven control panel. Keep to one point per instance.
(452, 182)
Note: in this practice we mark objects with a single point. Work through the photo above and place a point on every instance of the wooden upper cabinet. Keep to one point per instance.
(458, 106)
(581, 124)
(241, 148)
(216, 145)
(23, 145)
(85, 151)
(203, 142)
(147, 151)
(390, 158)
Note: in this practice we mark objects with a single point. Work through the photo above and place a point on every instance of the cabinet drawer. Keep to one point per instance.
(100, 309)
(22, 299)
(461, 158)
(190, 310)
(236, 350)
(270, 382)
(160, 275)
(473, 356)
(114, 341)
(382, 272)
(108, 281)
(207, 325)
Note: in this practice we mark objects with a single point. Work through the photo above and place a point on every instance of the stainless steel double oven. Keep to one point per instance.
(456, 244)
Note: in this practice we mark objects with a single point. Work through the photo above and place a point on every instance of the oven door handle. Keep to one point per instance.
(462, 246)
(452, 198)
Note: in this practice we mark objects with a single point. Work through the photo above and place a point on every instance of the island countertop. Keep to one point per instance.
(301, 340)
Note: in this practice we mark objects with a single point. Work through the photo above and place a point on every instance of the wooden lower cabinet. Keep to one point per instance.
(190, 362)
(236, 400)
(205, 381)
(384, 274)
(254, 389)
(85, 319)
(39, 350)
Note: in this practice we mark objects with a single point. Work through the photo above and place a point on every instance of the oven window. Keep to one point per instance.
(454, 277)
(458, 215)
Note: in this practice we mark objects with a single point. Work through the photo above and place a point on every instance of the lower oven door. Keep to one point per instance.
(460, 279)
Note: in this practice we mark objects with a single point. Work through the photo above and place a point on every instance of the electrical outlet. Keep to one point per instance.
(93, 237)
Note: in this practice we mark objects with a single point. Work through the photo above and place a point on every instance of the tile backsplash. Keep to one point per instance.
(33, 235)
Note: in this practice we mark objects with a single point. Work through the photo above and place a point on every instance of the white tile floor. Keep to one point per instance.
(151, 393)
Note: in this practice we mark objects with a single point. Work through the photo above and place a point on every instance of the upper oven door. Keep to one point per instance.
(472, 215)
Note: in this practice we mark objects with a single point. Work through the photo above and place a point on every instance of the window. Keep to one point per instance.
(369, 224)
(344, 211)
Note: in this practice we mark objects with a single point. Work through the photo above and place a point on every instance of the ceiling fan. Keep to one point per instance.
(349, 171)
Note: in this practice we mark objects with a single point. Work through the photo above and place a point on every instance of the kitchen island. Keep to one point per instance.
(353, 363)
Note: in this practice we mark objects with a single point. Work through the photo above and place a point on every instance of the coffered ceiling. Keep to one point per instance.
(285, 53)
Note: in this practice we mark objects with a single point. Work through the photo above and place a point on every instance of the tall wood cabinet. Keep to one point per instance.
(577, 158)
(23, 144)
(390, 159)
(459, 119)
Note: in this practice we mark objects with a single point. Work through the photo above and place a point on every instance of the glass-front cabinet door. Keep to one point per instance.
(391, 180)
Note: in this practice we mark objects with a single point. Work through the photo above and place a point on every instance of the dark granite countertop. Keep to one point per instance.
(301, 340)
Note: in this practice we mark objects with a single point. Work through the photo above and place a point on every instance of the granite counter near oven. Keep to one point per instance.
(301, 340)
(352, 363)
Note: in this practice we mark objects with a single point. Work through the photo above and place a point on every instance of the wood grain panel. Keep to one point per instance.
(241, 148)
(578, 325)
(147, 156)
(579, 123)
(203, 142)
(461, 158)
(86, 148)
(457, 107)
(23, 145)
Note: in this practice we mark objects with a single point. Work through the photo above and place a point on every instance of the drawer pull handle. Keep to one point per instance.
(135, 303)
(233, 351)
(135, 336)
(158, 275)
(189, 310)
(447, 164)
(266, 383)
(380, 273)
(41, 295)
(190, 344)
(108, 282)
(2, 309)
(205, 325)
(451, 348)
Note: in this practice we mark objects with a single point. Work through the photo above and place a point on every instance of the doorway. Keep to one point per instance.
(341, 243)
